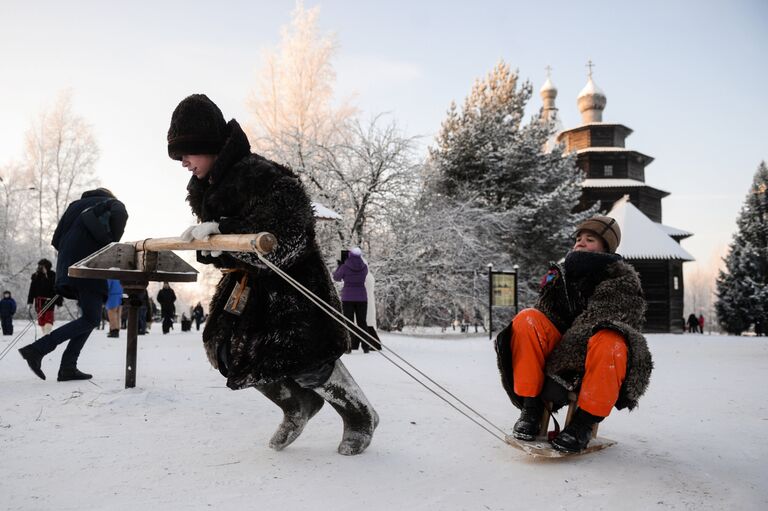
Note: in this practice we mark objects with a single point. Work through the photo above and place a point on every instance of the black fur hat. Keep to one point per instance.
(46, 263)
(197, 127)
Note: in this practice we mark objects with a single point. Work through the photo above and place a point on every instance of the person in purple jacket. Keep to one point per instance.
(354, 298)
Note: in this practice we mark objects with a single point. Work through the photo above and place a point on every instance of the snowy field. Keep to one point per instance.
(182, 441)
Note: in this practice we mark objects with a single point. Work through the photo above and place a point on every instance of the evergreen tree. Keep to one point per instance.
(742, 288)
(491, 194)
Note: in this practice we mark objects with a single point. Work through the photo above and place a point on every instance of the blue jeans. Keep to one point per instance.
(76, 331)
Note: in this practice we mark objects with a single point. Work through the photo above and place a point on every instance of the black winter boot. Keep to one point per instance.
(528, 425)
(298, 405)
(346, 397)
(72, 373)
(34, 359)
(577, 434)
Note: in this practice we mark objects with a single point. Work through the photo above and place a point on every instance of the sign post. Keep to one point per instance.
(502, 292)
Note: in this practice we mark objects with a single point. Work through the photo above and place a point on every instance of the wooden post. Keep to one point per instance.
(134, 302)
(262, 242)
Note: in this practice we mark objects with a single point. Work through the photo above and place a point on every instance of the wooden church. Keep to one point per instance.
(614, 177)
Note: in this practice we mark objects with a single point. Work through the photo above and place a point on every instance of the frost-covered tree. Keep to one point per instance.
(18, 245)
(294, 114)
(61, 154)
(492, 194)
(373, 172)
(362, 170)
(742, 288)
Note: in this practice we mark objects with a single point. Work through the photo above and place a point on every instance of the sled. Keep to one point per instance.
(542, 448)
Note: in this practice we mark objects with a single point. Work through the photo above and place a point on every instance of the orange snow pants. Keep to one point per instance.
(533, 339)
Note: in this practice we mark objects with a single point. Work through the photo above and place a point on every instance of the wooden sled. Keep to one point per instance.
(541, 448)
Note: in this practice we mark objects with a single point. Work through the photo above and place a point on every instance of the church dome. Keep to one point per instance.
(548, 91)
(591, 102)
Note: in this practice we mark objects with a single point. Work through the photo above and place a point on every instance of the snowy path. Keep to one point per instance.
(181, 440)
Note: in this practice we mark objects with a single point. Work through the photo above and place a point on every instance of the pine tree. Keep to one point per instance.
(742, 288)
(492, 194)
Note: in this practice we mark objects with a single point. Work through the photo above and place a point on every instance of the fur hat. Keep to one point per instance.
(605, 227)
(197, 127)
(45, 263)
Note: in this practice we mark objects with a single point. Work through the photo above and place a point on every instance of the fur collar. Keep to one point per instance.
(235, 149)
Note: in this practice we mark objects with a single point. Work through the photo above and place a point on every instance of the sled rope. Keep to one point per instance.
(371, 342)
(10, 346)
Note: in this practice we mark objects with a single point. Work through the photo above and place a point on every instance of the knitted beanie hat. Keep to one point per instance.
(197, 127)
(605, 227)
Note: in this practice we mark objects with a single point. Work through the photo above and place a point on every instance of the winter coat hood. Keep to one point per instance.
(88, 224)
(355, 262)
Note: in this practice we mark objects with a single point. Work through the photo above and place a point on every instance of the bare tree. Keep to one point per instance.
(17, 243)
(373, 174)
(61, 153)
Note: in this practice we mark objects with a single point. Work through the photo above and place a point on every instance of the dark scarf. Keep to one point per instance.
(583, 272)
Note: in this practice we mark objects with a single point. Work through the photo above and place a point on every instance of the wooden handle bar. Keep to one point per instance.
(262, 242)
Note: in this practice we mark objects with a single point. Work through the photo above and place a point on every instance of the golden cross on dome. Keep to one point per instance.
(590, 65)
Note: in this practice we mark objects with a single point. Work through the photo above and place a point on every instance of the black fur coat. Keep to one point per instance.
(280, 332)
(589, 292)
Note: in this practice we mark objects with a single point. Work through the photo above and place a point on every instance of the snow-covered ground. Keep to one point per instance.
(182, 440)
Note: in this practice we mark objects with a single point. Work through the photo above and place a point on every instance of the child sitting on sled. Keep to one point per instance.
(583, 336)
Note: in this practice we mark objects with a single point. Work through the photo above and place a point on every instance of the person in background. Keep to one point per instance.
(583, 335)
(41, 290)
(145, 312)
(354, 298)
(7, 310)
(89, 223)
(166, 297)
(693, 323)
(198, 314)
(701, 323)
(370, 317)
(260, 332)
(186, 323)
(114, 306)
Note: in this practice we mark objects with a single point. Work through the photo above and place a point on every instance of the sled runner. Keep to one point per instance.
(541, 448)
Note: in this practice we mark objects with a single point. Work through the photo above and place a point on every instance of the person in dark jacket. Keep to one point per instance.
(354, 297)
(88, 224)
(7, 310)
(166, 297)
(198, 314)
(583, 336)
(41, 290)
(693, 323)
(260, 331)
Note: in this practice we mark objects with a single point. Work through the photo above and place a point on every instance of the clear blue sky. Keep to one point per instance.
(689, 77)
